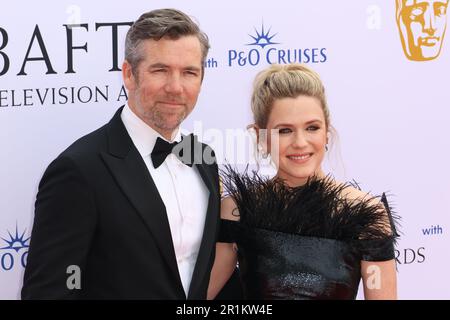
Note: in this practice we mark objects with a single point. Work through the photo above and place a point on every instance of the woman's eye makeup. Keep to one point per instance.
(284, 130)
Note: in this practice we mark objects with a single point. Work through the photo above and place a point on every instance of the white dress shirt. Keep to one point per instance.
(182, 190)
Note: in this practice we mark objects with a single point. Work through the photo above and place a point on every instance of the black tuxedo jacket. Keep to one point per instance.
(98, 208)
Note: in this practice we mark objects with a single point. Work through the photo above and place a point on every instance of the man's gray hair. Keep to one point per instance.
(157, 24)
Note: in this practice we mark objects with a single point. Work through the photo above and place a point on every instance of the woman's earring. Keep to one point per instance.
(326, 147)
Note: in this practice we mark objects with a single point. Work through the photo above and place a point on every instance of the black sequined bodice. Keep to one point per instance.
(277, 265)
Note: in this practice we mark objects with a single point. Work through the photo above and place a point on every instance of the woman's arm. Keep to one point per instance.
(379, 280)
(379, 277)
(224, 265)
(226, 255)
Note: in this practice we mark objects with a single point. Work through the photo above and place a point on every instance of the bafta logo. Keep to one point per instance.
(422, 25)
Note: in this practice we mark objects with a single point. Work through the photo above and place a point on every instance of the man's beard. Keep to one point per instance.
(158, 117)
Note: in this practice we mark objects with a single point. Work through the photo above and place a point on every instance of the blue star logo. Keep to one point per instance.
(16, 242)
(262, 38)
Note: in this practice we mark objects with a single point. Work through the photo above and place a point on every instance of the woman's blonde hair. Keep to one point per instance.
(285, 81)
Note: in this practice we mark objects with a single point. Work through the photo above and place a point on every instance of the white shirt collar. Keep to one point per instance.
(143, 136)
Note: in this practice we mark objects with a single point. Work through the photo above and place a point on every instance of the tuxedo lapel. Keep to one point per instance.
(131, 174)
(209, 232)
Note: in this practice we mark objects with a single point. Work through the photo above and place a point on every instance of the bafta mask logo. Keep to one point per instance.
(422, 25)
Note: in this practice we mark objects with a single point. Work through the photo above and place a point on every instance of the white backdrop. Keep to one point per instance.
(391, 113)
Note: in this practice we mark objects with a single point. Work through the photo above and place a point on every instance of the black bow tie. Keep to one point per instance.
(183, 150)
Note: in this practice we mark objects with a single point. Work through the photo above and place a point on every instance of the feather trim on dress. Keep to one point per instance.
(316, 209)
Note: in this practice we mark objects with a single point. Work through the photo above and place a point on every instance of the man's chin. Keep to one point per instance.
(169, 125)
(170, 121)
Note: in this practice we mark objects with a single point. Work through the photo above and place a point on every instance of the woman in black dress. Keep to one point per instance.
(301, 234)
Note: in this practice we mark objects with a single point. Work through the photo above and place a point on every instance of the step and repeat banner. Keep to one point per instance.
(385, 65)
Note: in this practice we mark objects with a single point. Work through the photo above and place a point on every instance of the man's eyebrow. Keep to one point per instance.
(194, 68)
(158, 65)
(162, 65)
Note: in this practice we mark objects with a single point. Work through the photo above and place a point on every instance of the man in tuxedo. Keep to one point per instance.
(119, 214)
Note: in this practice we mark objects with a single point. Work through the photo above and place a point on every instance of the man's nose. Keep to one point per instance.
(174, 84)
(430, 22)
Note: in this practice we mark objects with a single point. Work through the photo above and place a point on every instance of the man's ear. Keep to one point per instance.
(128, 77)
